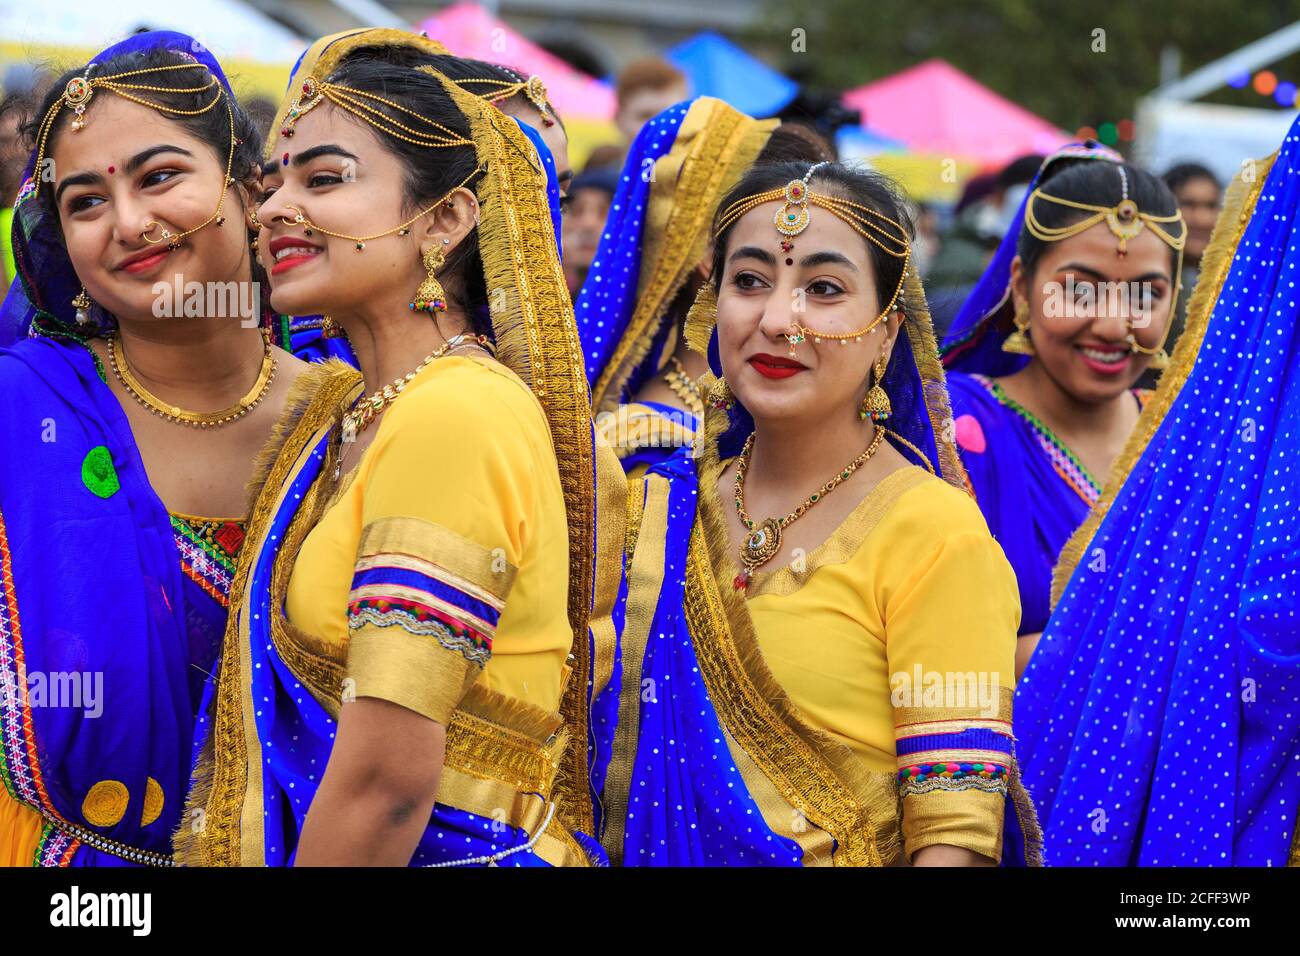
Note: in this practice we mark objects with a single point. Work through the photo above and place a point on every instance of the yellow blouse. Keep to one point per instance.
(443, 559)
(897, 637)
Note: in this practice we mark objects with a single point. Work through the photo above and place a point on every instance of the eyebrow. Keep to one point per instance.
(325, 149)
(1080, 267)
(753, 252)
(566, 176)
(131, 165)
(826, 258)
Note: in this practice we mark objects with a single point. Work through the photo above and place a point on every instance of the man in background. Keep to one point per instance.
(646, 88)
(590, 196)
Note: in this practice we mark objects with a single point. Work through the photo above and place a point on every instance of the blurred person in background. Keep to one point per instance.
(645, 88)
(987, 206)
(14, 109)
(590, 196)
(1199, 196)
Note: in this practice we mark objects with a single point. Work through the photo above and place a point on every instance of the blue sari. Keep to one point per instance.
(1157, 718)
(256, 780)
(98, 583)
(1034, 492)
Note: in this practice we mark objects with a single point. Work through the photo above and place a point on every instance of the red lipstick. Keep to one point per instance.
(284, 263)
(775, 366)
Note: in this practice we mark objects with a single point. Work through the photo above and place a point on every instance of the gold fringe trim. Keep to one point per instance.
(934, 382)
(323, 57)
(537, 338)
(814, 773)
(1216, 264)
(714, 147)
(316, 400)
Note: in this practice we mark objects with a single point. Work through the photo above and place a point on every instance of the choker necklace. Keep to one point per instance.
(367, 409)
(764, 541)
(174, 413)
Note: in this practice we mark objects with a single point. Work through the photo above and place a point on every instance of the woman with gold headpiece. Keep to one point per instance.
(1157, 720)
(801, 595)
(139, 378)
(395, 684)
(652, 259)
(1044, 357)
(319, 337)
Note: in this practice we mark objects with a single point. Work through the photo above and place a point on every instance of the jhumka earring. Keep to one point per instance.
(430, 296)
(1018, 342)
(876, 405)
(81, 302)
(720, 396)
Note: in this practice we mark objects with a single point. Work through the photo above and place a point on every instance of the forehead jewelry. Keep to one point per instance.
(532, 88)
(79, 91)
(300, 219)
(794, 216)
(361, 104)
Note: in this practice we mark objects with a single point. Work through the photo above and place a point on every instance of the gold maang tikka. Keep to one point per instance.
(793, 217)
(1125, 221)
(79, 91)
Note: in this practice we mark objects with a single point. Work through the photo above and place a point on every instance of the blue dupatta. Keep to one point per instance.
(1157, 718)
(92, 588)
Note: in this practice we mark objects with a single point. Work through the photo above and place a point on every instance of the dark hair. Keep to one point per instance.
(391, 72)
(459, 68)
(1096, 183)
(863, 186)
(211, 126)
(794, 142)
(1020, 170)
(1176, 177)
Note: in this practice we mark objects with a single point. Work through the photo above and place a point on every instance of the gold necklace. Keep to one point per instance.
(367, 409)
(174, 413)
(764, 541)
(683, 386)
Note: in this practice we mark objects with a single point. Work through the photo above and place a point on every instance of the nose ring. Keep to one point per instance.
(149, 227)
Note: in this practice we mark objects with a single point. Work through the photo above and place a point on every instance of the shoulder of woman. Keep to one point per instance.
(470, 398)
(931, 510)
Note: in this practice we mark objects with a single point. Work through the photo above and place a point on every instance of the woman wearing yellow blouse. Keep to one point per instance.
(394, 676)
(830, 685)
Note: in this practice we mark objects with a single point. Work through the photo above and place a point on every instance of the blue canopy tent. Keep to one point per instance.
(714, 66)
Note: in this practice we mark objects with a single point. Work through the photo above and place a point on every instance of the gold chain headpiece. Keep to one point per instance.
(793, 217)
(532, 88)
(359, 103)
(1125, 221)
(79, 91)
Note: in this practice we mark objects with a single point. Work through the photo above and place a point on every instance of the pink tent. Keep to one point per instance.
(935, 108)
(468, 30)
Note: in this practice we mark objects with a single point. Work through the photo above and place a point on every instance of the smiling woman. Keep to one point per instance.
(777, 707)
(1044, 357)
(129, 426)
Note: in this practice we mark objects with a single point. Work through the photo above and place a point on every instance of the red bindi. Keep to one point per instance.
(111, 170)
(286, 159)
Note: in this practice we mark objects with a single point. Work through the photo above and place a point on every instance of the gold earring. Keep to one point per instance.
(330, 329)
(1018, 342)
(430, 296)
(1159, 360)
(876, 405)
(720, 396)
(81, 302)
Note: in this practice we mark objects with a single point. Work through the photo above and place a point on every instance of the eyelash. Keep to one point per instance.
(834, 289)
(334, 180)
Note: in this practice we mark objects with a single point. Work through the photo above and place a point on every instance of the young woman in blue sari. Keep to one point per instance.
(1157, 720)
(131, 409)
(1043, 358)
(830, 685)
(652, 259)
(403, 676)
